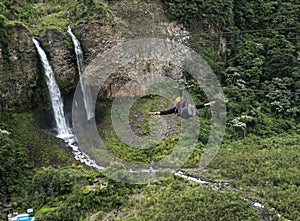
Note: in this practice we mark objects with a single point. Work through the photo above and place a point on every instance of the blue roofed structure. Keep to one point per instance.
(24, 217)
(21, 217)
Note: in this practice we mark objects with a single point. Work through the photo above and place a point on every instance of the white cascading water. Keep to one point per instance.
(85, 88)
(57, 104)
(63, 131)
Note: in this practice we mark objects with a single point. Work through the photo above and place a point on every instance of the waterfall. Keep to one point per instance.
(57, 104)
(85, 88)
(63, 131)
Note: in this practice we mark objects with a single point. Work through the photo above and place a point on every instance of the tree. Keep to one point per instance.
(13, 165)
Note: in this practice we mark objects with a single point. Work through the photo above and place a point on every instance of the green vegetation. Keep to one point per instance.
(3, 37)
(72, 193)
(174, 199)
(23, 150)
(140, 126)
(53, 14)
(252, 46)
(265, 168)
(143, 125)
(24, 130)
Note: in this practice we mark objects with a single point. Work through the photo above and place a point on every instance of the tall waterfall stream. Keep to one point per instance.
(85, 88)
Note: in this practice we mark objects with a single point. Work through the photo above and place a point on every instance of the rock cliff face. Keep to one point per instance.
(18, 65)
(131, 20)
(61, 58)
(21, 73)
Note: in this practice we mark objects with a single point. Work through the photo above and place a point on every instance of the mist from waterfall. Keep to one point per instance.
(62, 128)
(85, 88)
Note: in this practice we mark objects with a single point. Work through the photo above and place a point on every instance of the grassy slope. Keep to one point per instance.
(25, 151)
(265, 170)
(43, 148)
(53, 14)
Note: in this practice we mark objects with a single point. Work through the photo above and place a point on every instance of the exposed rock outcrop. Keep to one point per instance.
(18, 62)
(20, 70)
(62, 58)
(132, 20)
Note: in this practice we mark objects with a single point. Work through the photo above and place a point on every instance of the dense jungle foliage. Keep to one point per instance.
(252, 46)
(37, 16)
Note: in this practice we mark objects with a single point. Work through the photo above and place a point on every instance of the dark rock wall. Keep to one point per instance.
(18, 64)
(21, 74)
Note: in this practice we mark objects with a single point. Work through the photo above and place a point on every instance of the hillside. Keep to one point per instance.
(249, 63)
